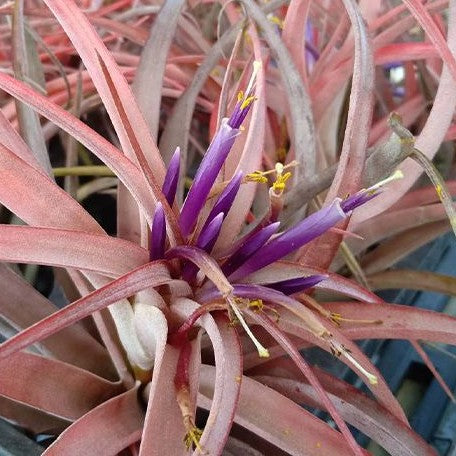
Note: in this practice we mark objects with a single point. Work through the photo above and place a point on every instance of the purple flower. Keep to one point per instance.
(172, 177)
(158, 234)
(205, 176)
(297, 285)
(292, 239)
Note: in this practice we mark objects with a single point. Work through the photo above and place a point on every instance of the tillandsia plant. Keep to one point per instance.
(263, 163)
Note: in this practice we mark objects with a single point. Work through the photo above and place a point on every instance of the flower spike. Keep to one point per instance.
(205, 177)
(214, 158)
(245, 100)
(209, 233)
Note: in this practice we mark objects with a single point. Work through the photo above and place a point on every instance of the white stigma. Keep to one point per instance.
(398, 174)
(256, 67)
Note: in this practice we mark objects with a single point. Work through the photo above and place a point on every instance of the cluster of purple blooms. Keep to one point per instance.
(262, 246)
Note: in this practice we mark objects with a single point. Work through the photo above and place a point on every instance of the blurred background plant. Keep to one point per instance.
(107, 110)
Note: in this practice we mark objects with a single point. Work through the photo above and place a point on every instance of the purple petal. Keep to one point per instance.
(209, 234)
(239, 114)
(206, 242)
(172, 177)
(297, 285)
(226, 198)
(249, 247)
(158, 234)
(291, 240)
(205, 176)
(356, 200)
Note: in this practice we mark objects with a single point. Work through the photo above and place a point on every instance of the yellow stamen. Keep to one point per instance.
(279, 185)
(192, 438)
(340, 350)
(256, 304)
(193, 434)
(240, 96)
(256, 176)
(262, 351)
(276, 20)
(247, 102)
(260, 176)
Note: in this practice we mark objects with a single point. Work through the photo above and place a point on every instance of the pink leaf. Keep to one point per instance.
(357, 409)
(353, 155)
(163, 431)
(55, 387)
(430, 137)
(88, 44)
(22, 305)
(218, 392)
(303, 366)
(74, 249)
(149, 275)
(286, 424)
(46, 204)
(107, 429)
(124, 168)
(398, 322)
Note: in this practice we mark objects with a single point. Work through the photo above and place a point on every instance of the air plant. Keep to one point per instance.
(186, 331)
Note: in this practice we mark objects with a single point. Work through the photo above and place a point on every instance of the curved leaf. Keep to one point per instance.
(150, 275)
(73, 249)
(107, 429)
(57, 388)
(286, 424)
(22, 305)
(357, 409)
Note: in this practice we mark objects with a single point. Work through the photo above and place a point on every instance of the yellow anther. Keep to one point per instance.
(439, 191)
(257, 176)
(279, 185)
(276, 20)
(192, 438)
(260, 176)
(240, 96)
(247, 102)
(256, 304)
